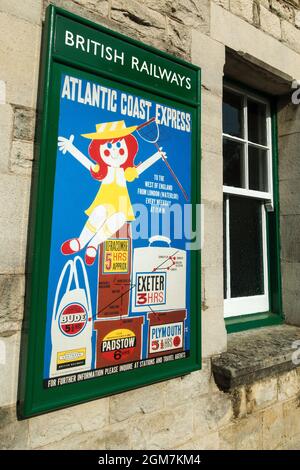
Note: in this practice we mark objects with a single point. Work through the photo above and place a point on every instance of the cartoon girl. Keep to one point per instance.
(113, 148)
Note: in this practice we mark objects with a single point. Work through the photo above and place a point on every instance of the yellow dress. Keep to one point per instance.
(115, 197)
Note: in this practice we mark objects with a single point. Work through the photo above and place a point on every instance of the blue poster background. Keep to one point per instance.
(75, 190)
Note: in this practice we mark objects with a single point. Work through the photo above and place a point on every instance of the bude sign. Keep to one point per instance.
(113, 292)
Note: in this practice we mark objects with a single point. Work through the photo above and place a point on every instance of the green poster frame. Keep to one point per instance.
(33, 399)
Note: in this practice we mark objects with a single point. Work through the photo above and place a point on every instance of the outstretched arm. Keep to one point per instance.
(66, 145)
(150, 161)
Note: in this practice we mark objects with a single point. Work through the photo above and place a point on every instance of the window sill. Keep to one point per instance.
(254, 320)
(254, 355)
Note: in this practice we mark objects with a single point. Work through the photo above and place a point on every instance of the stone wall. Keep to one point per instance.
(184, 413)
(289, 181)
(159, 416)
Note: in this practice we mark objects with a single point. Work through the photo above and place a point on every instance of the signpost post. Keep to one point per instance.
(112, 300)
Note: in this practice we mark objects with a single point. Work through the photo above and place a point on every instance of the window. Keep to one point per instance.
(248, 195)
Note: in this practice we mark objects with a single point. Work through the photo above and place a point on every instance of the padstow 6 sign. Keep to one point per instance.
(113, 292)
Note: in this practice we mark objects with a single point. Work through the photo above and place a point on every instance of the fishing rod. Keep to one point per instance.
(154, 142)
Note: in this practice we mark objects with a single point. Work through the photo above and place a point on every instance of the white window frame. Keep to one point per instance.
(238, 306)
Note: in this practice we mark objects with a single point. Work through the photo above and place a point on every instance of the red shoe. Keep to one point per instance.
(89, 260)
(66, 247)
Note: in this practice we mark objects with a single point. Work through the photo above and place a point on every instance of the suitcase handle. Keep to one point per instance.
(159, 238)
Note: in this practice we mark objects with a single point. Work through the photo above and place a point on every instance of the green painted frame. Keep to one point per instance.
(275, 316)
(33, 399)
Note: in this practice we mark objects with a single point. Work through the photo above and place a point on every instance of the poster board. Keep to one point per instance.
(113, 295)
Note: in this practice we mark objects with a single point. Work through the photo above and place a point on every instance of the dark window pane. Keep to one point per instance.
(257, 125)
(257, 169)
(232, 163)
(246, 251)
(224, 249)
(232, 114)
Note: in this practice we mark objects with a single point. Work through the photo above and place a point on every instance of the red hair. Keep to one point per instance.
(94, 152)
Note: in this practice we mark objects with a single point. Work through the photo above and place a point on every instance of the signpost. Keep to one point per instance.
(112, 297)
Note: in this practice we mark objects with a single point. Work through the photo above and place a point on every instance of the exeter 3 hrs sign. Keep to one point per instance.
(113, 292)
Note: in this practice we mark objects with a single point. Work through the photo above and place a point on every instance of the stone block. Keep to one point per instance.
(288, 115)
(94, 10)
(13, 433)
(187, 12)
(261, 394)
(288, 385)
(289, 196)
(249, 433)
(212, 64)
(92, 416)
(270, 22)
(254, 355)
(2, 92)
(29, 10)
(288, 151)
(135, 16)
(273, 427)
(290, 35)
(179, 37)
(222, 3)
(12, 289)
(20, 49)
(190, 13)
(14, 196)
(212, 164)
(291, 293)
(22, 154)
(214, 335)
(212, 284)
(118, 436)
(9, 360)
(24, 123)
(53, 428)
(227, 438)
(135, 402)
(186, 388)
(211, 413)
(291, 416)
(211, 123)
(165, 429)
(246, 39)
(283, 9)
(6, 130)
(205, 442)
(290, 238)
(79, 441)
(212, 252)
(297, 19)
(243, 8)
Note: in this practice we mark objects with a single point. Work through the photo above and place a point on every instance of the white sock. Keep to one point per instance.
(91, 251)
(111, 226)
(94, 223)
(75, 245)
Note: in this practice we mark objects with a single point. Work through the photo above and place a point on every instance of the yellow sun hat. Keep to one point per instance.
(110, 130)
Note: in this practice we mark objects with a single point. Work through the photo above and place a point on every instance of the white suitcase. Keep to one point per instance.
(158, 277)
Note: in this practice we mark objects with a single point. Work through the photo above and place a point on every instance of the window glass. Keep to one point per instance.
(257, 158)
(232, 114)
(232, 163)
(246, 248)
(257, 124)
